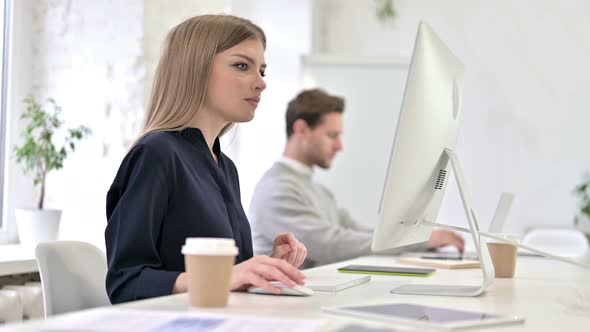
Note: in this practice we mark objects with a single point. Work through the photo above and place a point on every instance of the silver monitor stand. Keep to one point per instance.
(482, 249)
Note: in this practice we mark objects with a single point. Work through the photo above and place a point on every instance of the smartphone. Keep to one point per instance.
(387, 270)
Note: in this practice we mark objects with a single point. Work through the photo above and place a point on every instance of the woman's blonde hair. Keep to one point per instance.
(180, 81)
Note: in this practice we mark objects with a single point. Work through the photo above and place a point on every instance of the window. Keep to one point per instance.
(4, 43)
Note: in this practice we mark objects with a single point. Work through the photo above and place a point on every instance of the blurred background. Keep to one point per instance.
(526, 113)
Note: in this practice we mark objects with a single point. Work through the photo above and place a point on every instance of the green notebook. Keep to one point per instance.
(387, 270)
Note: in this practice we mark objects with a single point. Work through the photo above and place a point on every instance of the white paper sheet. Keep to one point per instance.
(109, 319)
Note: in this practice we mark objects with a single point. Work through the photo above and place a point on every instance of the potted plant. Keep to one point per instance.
(38, 155)
(582, 219)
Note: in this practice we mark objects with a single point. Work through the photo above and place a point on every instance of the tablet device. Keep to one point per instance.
(425, 317)
(334, 282)
(387, 270)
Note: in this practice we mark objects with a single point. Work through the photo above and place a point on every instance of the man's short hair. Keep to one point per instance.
(310, 106)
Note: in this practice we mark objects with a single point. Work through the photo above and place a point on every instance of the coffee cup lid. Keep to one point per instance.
(209, 246)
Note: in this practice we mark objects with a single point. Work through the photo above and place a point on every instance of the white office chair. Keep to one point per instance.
(72, 276)
(565, 242)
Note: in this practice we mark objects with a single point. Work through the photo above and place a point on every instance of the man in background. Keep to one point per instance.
(288, 199)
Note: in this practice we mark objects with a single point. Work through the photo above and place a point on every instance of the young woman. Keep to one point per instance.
(175, 182)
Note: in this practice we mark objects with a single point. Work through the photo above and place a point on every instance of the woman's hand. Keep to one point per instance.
(260, 270)
(181, 284)
(286, 247)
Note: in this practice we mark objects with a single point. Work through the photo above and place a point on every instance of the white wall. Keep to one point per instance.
(526, 114)
(88, 57)
(370, 118)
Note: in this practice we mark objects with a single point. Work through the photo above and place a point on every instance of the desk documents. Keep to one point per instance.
(110, 319)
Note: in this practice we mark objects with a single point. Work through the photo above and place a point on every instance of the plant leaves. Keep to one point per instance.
(38, 152)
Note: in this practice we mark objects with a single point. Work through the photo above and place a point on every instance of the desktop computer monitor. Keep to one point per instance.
(422, 156)
(422, 151)
(428, 125)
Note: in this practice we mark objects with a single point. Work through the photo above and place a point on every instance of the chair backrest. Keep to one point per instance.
(72, 276)
(566, 242)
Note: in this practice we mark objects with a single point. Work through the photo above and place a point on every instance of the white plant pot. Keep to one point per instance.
(35, 226)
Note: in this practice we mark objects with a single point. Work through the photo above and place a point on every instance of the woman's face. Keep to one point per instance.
(236, 82)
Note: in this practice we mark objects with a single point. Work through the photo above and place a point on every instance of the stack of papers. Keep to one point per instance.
(440, 263)
(111, 319)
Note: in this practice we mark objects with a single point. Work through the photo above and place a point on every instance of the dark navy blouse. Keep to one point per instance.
(168, 188)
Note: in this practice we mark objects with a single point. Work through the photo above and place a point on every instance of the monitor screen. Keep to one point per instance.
(428, 124)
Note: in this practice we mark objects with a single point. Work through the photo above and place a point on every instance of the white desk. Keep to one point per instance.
(15, 259)
(552, 296)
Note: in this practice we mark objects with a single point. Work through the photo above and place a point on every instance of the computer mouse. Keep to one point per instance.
(296, 290)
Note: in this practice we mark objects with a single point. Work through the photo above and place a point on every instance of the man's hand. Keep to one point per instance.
(441, 237)
(286, 247)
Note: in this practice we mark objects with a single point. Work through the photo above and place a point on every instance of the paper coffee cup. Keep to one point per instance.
(208, 263)
(503, 255)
